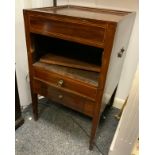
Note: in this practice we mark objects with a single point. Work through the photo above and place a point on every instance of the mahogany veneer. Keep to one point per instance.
(70, 50)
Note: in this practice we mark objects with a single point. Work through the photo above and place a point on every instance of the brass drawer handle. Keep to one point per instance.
(60, 96)
(60, 83)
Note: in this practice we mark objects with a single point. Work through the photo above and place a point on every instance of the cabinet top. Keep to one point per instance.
(84, 12)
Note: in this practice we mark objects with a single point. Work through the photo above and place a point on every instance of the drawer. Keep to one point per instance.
(68, 99)
(61, 81)
(79, 32)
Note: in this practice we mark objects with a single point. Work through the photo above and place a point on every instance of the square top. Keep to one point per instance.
(84, 12)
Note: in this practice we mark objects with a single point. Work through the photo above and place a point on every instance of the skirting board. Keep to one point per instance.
(118, 103)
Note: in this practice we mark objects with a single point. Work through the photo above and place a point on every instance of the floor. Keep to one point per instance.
(61, 131)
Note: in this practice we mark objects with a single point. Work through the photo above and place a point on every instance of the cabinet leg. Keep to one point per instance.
(35, 106)
(95, 123)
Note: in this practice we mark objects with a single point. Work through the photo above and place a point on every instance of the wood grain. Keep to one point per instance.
(89, 34)
(86, 12)
(68, 62)
(61, 96)
(86, 77)
(80, 32)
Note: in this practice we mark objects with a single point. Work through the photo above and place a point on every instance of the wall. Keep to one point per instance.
(130, 63)
(21, 55)
(128, 128)
(113, 4)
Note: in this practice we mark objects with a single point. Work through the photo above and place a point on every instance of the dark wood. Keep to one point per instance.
(105, 63)
(69, 62)
(85, 12)
(66, 97)
(30, 52)
(18, 116)
(79, 32)
(71, 79)
(69, 49)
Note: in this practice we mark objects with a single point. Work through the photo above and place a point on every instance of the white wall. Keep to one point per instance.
(130, 63)
(128, 128)
(20, 46)
(21, 55)
(113, 4)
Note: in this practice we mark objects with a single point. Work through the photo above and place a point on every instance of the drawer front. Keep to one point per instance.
(65, 82)
(79, 32)
(68, 99)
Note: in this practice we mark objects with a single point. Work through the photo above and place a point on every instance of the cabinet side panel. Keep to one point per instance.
(122, 36)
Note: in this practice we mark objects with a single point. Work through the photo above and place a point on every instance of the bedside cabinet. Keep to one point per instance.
(75, 56)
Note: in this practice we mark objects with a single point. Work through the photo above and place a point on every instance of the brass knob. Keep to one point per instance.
(60, 96)
(60, 83)
(120, 53)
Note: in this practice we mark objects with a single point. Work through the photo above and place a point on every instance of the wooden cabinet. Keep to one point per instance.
(75, 56)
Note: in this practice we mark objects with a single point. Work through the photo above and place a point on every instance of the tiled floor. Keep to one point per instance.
(61, 131)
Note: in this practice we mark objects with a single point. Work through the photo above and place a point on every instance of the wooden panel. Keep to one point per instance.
(76, 31)
(73, 101)
(85, 12)
(69, 62)
(43, 71)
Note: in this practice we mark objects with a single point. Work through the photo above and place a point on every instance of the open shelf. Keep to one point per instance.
(66, 53)
(84, 76)
(68, 62)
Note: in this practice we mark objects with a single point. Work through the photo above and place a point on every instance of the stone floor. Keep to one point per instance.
(61, 131)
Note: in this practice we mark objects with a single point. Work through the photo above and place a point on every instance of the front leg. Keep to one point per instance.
(96, 119)
(35, 106)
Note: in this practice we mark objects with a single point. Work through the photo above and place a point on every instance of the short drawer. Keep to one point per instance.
(68, 99)
(80, 32)
(65, 82)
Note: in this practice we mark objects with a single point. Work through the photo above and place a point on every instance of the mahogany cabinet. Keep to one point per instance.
(75, 56)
